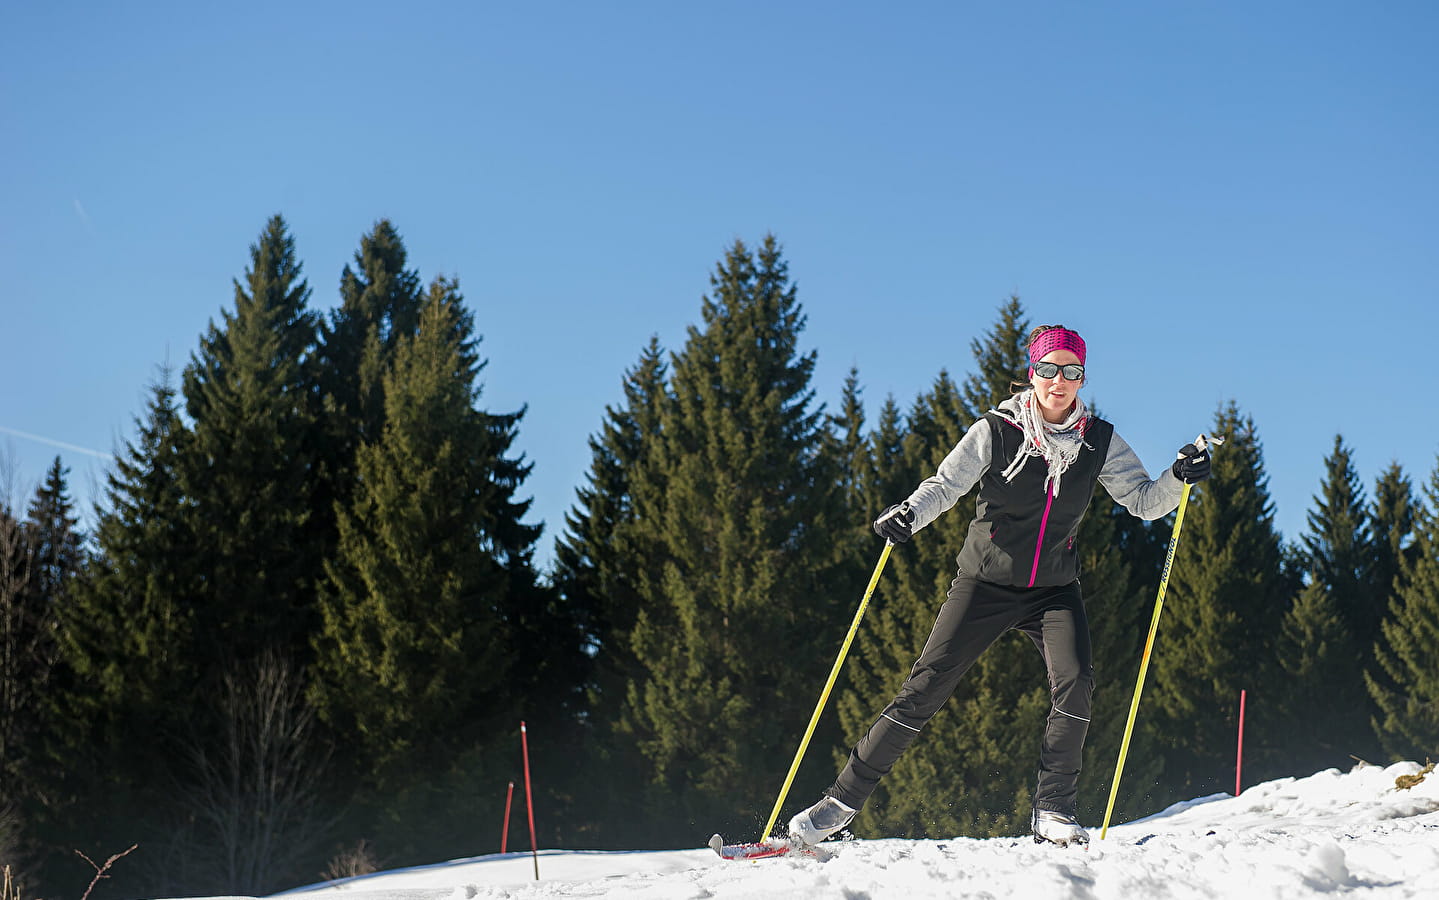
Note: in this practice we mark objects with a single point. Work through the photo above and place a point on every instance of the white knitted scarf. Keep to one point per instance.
(1058, 444)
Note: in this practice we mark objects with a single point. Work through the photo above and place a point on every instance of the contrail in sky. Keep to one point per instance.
(84, 216)
(61, 444)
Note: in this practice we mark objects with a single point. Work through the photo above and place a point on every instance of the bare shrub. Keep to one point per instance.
(357, 860)
(253, 797)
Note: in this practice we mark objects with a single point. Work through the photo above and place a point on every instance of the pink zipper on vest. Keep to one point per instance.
(1039, 544)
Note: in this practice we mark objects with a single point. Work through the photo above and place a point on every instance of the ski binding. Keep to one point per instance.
(775, 846)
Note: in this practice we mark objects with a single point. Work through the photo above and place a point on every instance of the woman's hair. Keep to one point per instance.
(1034, 335)
(1016, 386)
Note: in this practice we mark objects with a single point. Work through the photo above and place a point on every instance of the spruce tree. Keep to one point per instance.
(41, 560)
(424, 608)
(1340, 546)
(1327, 635)
(1002, 359)
(16, 630)
(54, 541)
(247, 468)
(1405, 683)
(126, 636)
(847, 444)
(1393, 530)
(1225, 599)
(379, 305)
(597, 566)
(740, 615)
(598, 570)
(127, 666)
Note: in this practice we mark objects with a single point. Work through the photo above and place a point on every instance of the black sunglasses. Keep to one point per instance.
(1072, 372)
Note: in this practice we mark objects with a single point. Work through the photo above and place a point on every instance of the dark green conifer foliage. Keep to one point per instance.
(1327, 636)
(54, 540)
(1325, 688)
(379, 305)
(126, 636)
(856, 548)
(14, 617)
(972, 770)
(1340, 546)
(248, 466)
(1000, 353)
(1405, 684)
(127, 666)
(740, 617)
(1393, 529)
(20, 627)
(846, 442)
(1222, 611)
(597, 562)
(598, 571)
(41, 559)
(415, 647)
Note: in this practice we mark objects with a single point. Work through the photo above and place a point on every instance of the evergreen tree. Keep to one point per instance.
(248, 466)
(379, 305)
(1327, 634)
(1002, 358)
(1340, 546)
(1326, 691)
(846, 443)
(1405, 684)
(414, 631)
(127, 669)
(54, 541)
(1393, 529)
(21, 631)
(597, 560)
(598, 570)
(39, 561)
(1225, 599)
(16, 630)
(740, 614)
(124, 639)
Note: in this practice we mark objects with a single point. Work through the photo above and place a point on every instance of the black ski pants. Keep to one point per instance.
(974, 614)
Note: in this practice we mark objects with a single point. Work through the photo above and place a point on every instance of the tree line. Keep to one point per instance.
(299, 639)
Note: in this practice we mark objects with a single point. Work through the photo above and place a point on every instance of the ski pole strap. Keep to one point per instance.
(828, 686)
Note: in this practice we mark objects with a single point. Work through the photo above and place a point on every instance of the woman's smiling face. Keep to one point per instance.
(1056, 395)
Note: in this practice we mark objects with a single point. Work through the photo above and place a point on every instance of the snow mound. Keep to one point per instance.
(1354, 834)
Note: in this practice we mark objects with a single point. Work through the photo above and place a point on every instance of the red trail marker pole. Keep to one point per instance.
(529, 800)
(1239, 753)
(505, 831)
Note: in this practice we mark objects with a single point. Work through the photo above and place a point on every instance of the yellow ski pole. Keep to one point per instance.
(828, 686)
(1149, 645)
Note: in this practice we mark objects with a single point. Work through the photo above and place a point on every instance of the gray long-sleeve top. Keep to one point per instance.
(1122, 475)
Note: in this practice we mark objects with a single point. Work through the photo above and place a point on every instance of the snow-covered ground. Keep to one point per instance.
(1351, 834)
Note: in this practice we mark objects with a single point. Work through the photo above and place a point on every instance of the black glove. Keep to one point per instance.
(1192, 465)
(895, 524)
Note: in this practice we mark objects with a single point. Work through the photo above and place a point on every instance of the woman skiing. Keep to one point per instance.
(1036, 458)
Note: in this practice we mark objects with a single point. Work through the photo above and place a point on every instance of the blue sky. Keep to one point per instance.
(1231, 201)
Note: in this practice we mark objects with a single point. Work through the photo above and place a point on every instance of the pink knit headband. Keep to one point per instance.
(1056, 339)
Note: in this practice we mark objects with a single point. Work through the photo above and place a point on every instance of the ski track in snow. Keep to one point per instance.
(1332, 834)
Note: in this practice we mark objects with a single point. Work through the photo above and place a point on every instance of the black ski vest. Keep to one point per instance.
(1021, 534)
